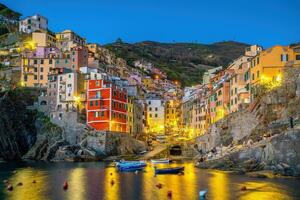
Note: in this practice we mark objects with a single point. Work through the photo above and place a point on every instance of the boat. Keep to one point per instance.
(202, 194)
(131, 165)
(171, 170)
(160, 161)
(124, 163)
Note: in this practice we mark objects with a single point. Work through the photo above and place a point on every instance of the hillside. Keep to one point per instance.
(8, 20)
(183, 61)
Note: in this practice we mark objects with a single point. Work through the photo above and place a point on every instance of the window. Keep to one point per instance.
(150, 109)
(298, 57)
(98, 94)
(50, 61)
(156, 109)
(35, 77)
(41, 69)
(155, 115)
(41, 77)
(149, 102)
(96, 103)
(97, 83)
(257, 74)
(102, 114)
(150, 115)
(257, 61)
(284, 57)
(235, 90)
(253, 76)
(96, 114)
(35, 62)
(114, 115)
(91, 103)
(66, 61)
(35, 69)
(235, 79)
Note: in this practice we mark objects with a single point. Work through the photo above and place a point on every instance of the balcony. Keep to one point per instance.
(94, 97)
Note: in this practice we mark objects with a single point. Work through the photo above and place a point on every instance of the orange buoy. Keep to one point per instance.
(169, 193)
(9, 187)
(65, 186)
(112, 182)
(243, 188)
(20, 184)
(34, 181)
(159, 185)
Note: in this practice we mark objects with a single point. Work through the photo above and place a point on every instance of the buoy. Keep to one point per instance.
(34, 181)
(112, 182)
(9, 187)
(136, 172)
(243, 188)
(65, 186)
(20, 184)
(159, 185)
(169, 193)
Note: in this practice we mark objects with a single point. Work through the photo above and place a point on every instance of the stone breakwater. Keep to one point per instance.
(279, 154)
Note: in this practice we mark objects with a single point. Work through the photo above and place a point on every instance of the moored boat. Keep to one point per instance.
(131, 165)
(170, 170)
(160, 161)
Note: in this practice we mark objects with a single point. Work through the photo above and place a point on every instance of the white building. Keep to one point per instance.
(155, 115)
(33, 23)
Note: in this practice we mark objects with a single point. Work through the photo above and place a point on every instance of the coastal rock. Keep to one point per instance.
(280, 153)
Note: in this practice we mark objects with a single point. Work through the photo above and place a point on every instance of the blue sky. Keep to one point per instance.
(265, 22)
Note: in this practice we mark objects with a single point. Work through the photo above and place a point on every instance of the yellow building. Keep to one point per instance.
(172, 116)
(34, 72)
(269, 64)
(147, 82)
(129, 125)
(43, 39)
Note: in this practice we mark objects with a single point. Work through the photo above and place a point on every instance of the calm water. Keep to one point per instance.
(93, 181)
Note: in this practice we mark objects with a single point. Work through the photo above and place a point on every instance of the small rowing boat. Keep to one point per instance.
(171, 170)
(130, 165)
(160, 161)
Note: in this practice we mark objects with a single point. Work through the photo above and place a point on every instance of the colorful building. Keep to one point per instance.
(155, 115)
(33, 23)
(106, 106)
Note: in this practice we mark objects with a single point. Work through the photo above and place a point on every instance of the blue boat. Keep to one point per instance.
(131, 165)
(171, 170)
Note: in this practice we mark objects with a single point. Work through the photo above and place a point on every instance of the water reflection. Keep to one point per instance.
(77, 184)
(93, 181)
(112, 183)
(266, 190)
(218, 186)
(29, 190)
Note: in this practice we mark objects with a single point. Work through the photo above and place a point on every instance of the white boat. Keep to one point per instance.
(202, 194)
(160, 161)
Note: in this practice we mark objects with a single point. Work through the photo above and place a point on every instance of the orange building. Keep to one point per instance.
(106, 106)
(269, 64)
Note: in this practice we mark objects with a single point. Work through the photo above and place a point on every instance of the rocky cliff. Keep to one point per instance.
(280, 153)
(17, 130)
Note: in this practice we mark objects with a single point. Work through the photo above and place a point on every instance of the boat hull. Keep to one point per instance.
(175, 170)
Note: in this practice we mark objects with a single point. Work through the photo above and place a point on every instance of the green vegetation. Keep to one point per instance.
(185, 62)
(8, 20)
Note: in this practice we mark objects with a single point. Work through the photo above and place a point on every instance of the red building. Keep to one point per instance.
(106, 106)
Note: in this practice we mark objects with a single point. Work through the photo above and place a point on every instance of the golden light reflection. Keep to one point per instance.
(265, 190)
(77, 183)
(189, 178)
(29, 190)
(218, 186)
(112, 184)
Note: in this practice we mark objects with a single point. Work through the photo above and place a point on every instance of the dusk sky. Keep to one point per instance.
(261, 22)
